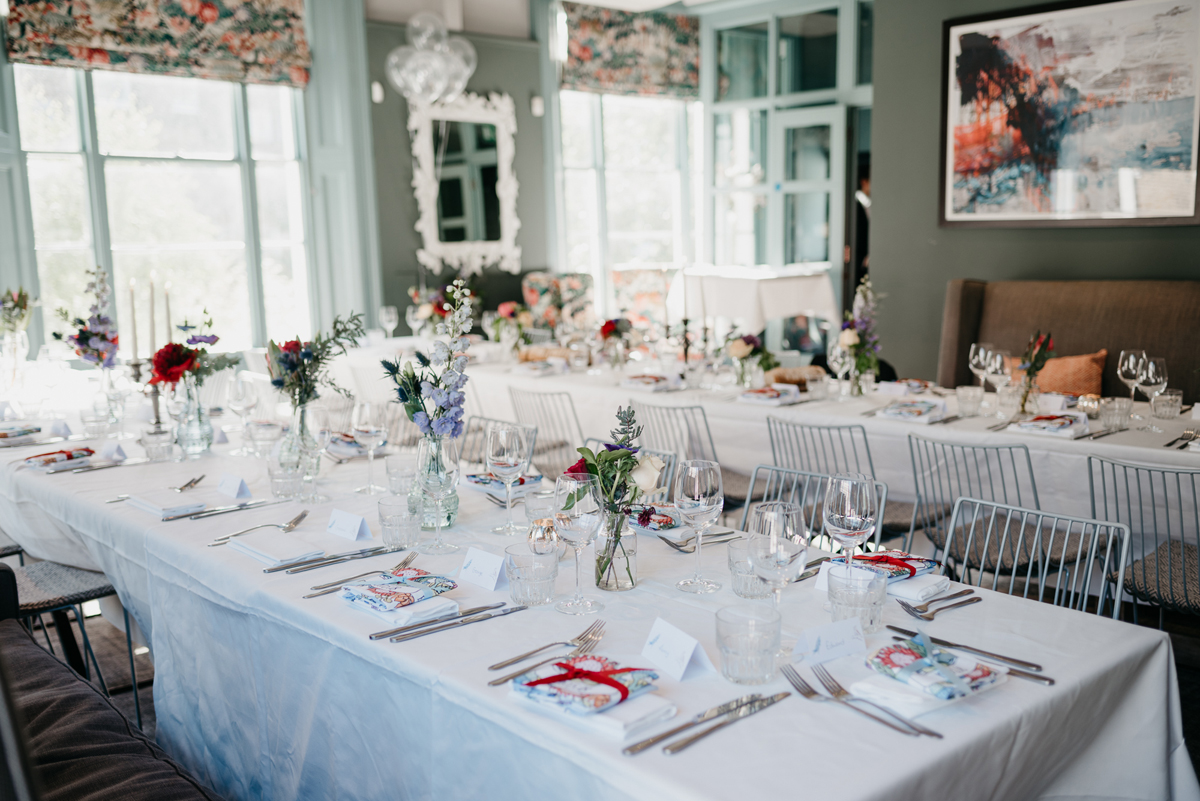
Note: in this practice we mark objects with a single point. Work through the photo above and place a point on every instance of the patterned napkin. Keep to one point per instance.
(388, 592)
(495, 487)
(934, 671)
(1067, 425)
(914, 411)
(17, 431)
(584, 685)
(79, 456)
(896, 565)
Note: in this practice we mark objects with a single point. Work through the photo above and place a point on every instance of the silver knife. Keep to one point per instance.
(1012, 671)
(379, 635)
(104, 466)
(220, 510)
(465, 621)
(304, 567)
(1008, 660)
(807, 574)
(733, 717)
(66, 468)
(945, 420)
(703, 717)
(328, 558)
(1107, 433)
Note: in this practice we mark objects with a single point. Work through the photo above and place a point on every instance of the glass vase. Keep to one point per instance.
(298, 448)
(616, 555)
(1030, 395)
(745, 373)
(615, 349)
(195, 432)
(418, 503)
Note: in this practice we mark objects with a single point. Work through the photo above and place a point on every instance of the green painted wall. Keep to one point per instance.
(912, 258)
(505, 65)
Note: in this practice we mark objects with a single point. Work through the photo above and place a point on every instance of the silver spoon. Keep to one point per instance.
(907, 607)
(925, 606)
(284, 527)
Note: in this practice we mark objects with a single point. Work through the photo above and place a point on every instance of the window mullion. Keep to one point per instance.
(97, 189)
(607, 292)
(254, 277)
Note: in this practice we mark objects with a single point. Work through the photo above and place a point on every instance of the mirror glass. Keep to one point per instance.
(468, 208)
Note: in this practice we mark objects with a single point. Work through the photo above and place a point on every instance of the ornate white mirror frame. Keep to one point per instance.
(466, 257)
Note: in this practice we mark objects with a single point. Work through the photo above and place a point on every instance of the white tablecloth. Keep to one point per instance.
(265, 695)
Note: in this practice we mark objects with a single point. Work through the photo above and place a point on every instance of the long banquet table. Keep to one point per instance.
(266, 695)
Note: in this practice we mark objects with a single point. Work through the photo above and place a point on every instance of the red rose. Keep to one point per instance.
(171, 362)
(290, 347)
(578, 468)
(608, 329)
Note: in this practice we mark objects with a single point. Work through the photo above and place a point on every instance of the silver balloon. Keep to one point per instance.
(456, 77)
(465, 51)
(426, 76)
(426, 31)
(396, 66)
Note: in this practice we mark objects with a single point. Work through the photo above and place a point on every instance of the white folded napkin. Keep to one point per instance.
(1194, 446)
(624, 721)
(424, 610)
(919, 588)
(274, 548)
(166, 503)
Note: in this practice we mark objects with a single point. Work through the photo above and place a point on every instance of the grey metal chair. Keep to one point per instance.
(559, 432)
(807, 490)
(943, 472)
(834, 449)
(666, 479)
(474, 438)
(1067, 557)
(1161, 507)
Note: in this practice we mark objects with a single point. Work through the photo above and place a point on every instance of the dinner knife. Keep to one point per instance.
(304, 567)
(94, 467)
(220, 510)
(1110, 432)
(1012, 671)
(807, 574)
(465, 621)
(945, 420)
(329, 558)
(379, 635)
(733, 717)
(703, 717)
(1008, 660)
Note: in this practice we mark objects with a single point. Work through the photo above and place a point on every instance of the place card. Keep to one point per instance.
(822, 582)
(60, 429)
(829, 642)
(1051, 402)
(7, 408)
(675, 652)
(219, 437)
(348, 526)
(112, 452)
(483, 569)
(233, 486)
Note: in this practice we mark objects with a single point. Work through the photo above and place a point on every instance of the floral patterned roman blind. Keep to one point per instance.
(256, 41)
(631, 54)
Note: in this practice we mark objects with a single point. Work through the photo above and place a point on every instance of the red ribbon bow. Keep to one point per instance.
(889, 560)
(598, 676)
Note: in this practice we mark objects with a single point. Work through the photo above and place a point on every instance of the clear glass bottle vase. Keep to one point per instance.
(194, 433)
(419, 502)
(616, 554)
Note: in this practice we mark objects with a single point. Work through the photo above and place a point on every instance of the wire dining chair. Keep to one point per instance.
(1067, 557)
(834, 449)
(1161, 507)
(807, 490)
(474, 438)
(559, 433)
(666, 479)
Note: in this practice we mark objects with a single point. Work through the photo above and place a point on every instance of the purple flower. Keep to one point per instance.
(421, 421)
(202, 339)
(609, 447)
(443, 426)
(752, 341)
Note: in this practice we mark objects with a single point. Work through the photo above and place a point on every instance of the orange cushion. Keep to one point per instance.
(1070, 375)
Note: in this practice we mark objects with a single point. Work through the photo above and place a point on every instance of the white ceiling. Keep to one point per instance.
(493, 17)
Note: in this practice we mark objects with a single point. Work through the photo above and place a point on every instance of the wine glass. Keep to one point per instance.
(839, 360)
(242, 400)
(849, 511)
(437, 473)
(487, 321)
(415, 323)
(389, 318)
(977, 360)
(577, 499)
(370, 430)
(1128, 364)
(699, 498)
(1151, 380)
(778, 545)
(315, 436)
(507, 457)
(999, 371)
(118, 395)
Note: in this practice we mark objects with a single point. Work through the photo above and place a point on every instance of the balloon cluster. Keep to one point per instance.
(432, 66)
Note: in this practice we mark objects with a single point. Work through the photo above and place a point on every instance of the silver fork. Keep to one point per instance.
(840, 694)
(716, 540)
(597, 626)
(925, 606)
(189, 485)
(334, 586)
(585, 648)
(808, 692)
(1189, 434)
(912, 610)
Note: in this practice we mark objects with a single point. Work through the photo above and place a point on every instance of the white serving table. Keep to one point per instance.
(266, 695)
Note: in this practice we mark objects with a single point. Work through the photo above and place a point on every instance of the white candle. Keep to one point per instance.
(167, 304)
(133, 317)
(683, 278)
(153, 275)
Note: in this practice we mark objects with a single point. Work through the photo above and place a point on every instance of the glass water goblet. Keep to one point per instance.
(438, 470)
(577, 500)
(401, 472)
(370, 430)
(507, 457)
(1151, 380)
(839, 361)
(977, 360)
(1128, 365)
(999, 371)
(242, 401)
(389, 318)
(849, 511)
(778, 545)
(699, 497)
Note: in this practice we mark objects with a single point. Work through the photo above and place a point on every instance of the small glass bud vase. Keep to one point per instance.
(195, 432)
(1030, 395)
(616, 555)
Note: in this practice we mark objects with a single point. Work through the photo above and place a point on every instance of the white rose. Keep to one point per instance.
(739, 348)
(849, 338)
(424, 311)
(645, 475)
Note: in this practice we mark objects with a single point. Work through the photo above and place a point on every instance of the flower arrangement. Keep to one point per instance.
(433, 397)
(858, 331)
(616, 328)
(514, 315)
(743, 350)
(174, 361)
(430, 303)
(94, 339)
(1039, 349)
(298, 368)
(16, 310)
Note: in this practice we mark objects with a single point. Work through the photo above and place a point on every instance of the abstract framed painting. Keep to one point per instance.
(1072, 115)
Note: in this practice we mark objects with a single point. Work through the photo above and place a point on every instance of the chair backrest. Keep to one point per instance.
(1161, 507)
(213, 390)
(1069, 556)
(272, 404)
(681, 430)
(559, 432)
(807, 490)
(945, 471)
(402, 432)
(474, 438)
(666, 479)
(821, 449)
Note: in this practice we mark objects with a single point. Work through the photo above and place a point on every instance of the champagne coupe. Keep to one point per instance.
(978, 361)
(577, 499)
(437, 473)
(315, 436)
(1127, 370)
(699, 497)
(1151, 380)
(389, 318)
(778, 545)
(849, 511)
(507, 457)
(242, 400)
(370, 431)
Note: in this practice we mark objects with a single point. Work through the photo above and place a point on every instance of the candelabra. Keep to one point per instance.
(135, 368)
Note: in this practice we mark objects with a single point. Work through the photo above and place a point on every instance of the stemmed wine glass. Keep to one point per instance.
(507, 457)
(778, 545)
(577, 499)
(370, 430)
(389, 318)
(1151, 380)
(978, 361)
(838, 359)
(438, 470)
(998, 370)
(315, 437)
(242, 400)
(1128, 364)
(699, 498)
(849, 511)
